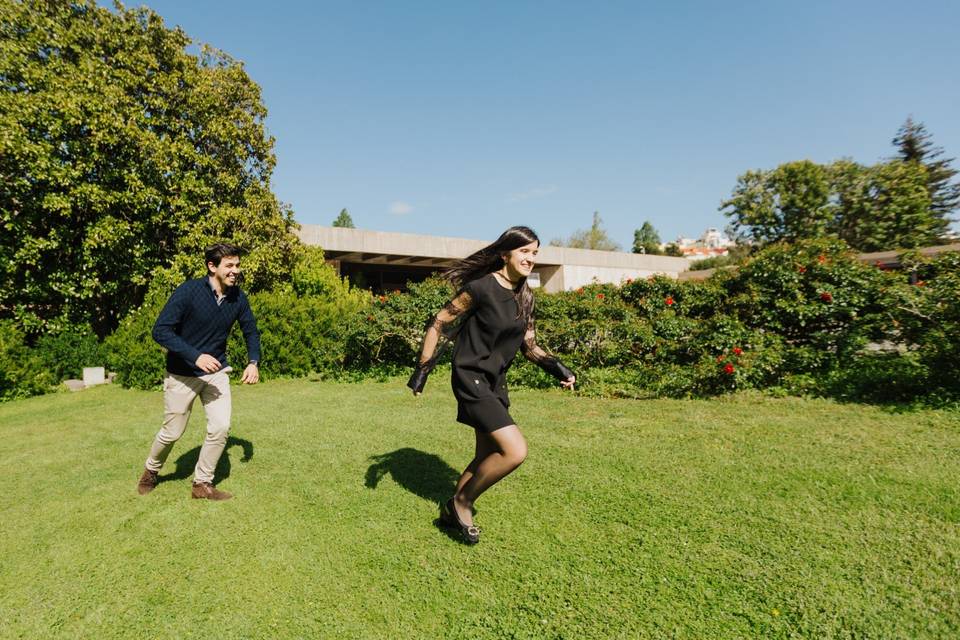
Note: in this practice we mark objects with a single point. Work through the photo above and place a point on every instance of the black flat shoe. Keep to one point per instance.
(470, 533)
(446, 518)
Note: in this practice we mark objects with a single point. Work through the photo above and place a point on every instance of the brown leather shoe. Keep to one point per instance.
(207, 491)
(147, 483)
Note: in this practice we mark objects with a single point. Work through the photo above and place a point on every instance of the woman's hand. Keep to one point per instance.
(568, 383)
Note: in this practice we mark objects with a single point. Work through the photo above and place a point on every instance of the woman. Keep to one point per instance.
(495, 306)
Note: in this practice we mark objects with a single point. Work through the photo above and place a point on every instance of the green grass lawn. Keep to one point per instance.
(740, 517)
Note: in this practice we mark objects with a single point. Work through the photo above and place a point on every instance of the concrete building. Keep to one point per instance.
(384, 261)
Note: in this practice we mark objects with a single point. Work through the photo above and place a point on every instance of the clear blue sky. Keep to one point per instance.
(463, 118)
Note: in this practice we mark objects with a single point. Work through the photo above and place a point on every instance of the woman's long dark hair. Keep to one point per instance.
(490, 259)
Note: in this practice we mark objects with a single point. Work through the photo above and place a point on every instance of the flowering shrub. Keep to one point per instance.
(384, 336)
(927, 315)
(815, 295)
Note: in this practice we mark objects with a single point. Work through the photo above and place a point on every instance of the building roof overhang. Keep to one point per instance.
(390, 248)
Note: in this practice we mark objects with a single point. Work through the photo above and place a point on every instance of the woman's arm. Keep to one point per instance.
(429, 352)
(534, 353)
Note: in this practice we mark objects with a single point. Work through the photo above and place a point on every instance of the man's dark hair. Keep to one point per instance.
(219, 251)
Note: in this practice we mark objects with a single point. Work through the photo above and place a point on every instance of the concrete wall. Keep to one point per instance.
(387, 243)
(560, 268)
(576, 276)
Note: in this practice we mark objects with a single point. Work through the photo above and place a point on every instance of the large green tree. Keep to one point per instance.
(883, 206)
(872, 208)
(788, 203)
(121, 154)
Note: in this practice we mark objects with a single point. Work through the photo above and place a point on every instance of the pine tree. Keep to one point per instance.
(344, 220)
(915, 144)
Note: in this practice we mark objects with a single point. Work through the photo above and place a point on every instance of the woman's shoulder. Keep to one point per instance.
(478, 285)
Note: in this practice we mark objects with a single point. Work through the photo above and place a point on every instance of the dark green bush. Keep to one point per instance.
(22, 372)
(592, 327)
(130, 351)
(67, 352)
(298, 335)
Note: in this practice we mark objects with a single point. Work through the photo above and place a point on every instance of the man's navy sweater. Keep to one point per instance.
(192, 323)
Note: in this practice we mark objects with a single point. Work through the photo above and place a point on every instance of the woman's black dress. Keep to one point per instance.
(487, 341)
(486, 346)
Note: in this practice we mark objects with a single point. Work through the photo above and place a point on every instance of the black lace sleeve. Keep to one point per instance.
(440, 331)
(534, 353)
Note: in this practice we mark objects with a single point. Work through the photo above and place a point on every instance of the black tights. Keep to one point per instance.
(497, 454)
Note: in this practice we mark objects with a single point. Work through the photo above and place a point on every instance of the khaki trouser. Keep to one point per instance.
(179, 392)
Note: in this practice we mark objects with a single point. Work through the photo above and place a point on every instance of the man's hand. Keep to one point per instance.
(568, 383)
(207, 363)
(251, 375)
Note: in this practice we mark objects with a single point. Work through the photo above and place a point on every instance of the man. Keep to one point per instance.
(193, 326)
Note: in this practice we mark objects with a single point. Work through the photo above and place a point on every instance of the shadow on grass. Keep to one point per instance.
(422, 474)
(186, 463)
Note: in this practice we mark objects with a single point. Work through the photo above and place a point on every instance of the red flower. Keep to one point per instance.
(599, 296)
(826, 296)
(668, 300)
(821, 258)
(383, 298)
(728, 369)
(720, 358)
(801, 269)
(737, 350)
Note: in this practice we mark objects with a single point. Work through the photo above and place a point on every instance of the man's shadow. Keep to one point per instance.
(187, 462)
(422, 474)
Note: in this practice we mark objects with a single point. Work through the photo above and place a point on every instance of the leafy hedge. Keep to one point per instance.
(807, 318)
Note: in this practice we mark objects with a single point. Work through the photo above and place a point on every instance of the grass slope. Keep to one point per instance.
(743, 517)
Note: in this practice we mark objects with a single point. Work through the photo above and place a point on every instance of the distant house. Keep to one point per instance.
(711, 243)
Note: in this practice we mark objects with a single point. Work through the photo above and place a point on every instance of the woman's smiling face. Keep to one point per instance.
(520, 261)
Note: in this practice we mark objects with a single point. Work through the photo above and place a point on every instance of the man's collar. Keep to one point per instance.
(209, 281)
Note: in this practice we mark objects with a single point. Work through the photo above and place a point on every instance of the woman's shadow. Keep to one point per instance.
(186, 463)
(422, 474)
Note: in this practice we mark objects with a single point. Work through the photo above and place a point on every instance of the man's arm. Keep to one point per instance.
(164, 329)
(251, 335)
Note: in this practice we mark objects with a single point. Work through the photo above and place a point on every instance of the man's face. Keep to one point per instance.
(227, 271)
